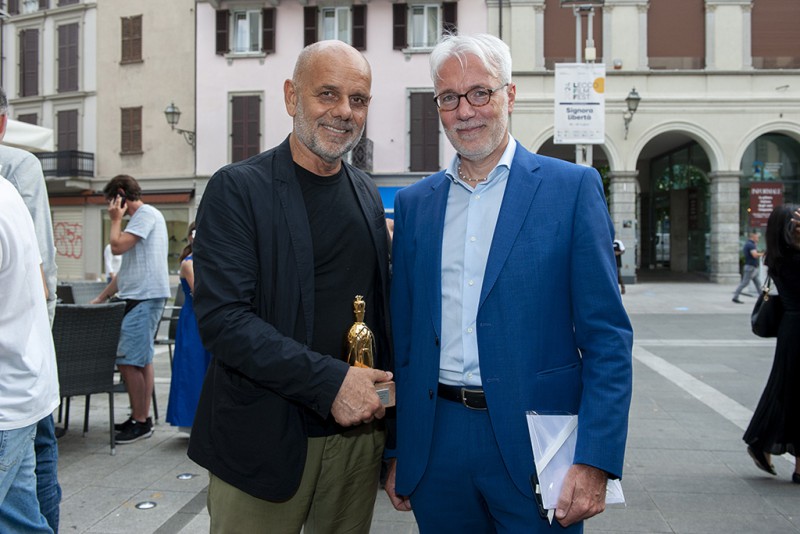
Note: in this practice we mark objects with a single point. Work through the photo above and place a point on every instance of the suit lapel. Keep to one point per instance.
(523, 181)
(431, 221)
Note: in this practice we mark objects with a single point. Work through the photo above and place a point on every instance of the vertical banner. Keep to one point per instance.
(580, 104)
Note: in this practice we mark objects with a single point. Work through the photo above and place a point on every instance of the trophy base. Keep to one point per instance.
(385, 392)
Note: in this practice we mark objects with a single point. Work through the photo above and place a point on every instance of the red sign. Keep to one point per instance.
(764, 197)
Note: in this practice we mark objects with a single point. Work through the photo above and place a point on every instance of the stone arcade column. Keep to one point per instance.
(724, 268)
(623, 191)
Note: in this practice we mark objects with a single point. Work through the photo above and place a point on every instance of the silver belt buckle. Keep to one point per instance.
(464, 391)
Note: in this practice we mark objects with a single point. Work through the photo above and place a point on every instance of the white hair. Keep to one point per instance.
(491, 51)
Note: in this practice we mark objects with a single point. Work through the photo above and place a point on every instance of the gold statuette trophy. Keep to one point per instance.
(361, 348)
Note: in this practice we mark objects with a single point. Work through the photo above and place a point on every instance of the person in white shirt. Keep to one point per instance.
(112, 262)
(28, 375)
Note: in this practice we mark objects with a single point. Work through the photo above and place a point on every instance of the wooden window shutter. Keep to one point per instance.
(131, 39)
(67, 130)
(268, 27)
(131, 130)
(28, 118)
(245, 127)
(29, 62)
(399, 22)
(450, 17)
(68, 57)
(223, 17)
(310, 25)
(13, 7)
(360, 27)
(44, 4)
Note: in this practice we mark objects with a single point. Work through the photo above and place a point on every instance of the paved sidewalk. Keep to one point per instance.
(698, 373)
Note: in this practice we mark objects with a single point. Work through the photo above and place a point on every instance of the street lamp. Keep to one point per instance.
(173, 115)
(632, 101)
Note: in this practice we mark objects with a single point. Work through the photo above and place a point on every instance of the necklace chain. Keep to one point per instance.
(464, 177)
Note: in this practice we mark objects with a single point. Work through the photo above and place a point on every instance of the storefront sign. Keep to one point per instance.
(764, 196)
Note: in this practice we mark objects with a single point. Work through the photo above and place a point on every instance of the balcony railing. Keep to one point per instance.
(361, 156)
(67, 163)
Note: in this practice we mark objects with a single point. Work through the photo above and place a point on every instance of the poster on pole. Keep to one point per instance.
(580, 104)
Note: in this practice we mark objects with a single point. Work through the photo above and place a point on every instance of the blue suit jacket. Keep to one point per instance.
(552, 332)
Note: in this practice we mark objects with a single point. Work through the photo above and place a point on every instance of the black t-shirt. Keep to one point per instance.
(345, 265)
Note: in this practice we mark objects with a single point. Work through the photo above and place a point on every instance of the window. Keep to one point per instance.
(776, 42)
(559, 33)
(131, 39)
(335, 23)
(424, 135)
(66, 141)
(245, 31)
(29, 62)
(131, 131)
(28, 118)
(421, 25)
(68, 2)
(43, 4)
(68, 57)
(13, 7)
(245, 126)
(676, 34)
(348, 24)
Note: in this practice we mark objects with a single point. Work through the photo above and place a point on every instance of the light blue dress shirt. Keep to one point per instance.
(469, 225)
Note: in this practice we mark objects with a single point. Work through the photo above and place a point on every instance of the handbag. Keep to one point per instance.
(767, 313)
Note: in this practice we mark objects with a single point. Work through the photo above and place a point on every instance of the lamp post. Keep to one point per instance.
(632, 101)
(173, 114)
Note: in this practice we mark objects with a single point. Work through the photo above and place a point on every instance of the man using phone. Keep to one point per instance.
(143, 283)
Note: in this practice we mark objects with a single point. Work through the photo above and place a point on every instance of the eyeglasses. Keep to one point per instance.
(477, 97)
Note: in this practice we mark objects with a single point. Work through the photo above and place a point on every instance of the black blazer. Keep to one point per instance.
(254, 300)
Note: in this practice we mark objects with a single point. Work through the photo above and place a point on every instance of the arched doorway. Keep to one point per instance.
(674, 233)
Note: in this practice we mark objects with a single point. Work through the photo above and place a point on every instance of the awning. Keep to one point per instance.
(29, 136)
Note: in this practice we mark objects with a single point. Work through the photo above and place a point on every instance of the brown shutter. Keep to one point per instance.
(424, 135)
(310, 25)
(360, 27)
(399, 21)
(28, 118)
(67, 130)
(13, 7)
(676, 34)
(68, 57)
(223, 17)
(450, 17)
(776, 41)
(136, 38)
(43, 4)
(29, 62)
(131, 130)
(245, 127)
(268, 16)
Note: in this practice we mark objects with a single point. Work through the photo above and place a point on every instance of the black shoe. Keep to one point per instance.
(737, 301)
(60, 431)
(134, 432)
(120, 427)
(760, 459)
(796, 478)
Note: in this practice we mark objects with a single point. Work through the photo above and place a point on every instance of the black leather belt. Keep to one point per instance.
(470, 396)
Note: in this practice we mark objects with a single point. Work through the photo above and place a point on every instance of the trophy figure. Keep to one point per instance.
(361, 350)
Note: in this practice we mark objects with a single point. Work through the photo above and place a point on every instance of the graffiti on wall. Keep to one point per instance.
(68, 237)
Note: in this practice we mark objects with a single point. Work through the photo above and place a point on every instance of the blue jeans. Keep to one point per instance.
(47, 488)
(750, 274)
(19, 506)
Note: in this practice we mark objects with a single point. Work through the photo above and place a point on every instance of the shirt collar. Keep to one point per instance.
(505, 161)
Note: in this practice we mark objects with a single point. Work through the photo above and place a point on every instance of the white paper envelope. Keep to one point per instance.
(553, 439)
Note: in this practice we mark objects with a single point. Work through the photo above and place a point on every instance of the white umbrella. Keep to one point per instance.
(29, 137)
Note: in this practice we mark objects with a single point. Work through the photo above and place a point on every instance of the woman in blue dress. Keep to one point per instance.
(191, 359)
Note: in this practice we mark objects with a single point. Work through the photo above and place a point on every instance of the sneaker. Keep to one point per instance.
(135, 432)
(120, 427)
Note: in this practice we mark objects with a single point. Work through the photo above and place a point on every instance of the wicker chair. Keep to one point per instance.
(85, 338)
(171, 315)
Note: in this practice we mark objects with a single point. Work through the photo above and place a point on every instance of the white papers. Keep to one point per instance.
(553, 439)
